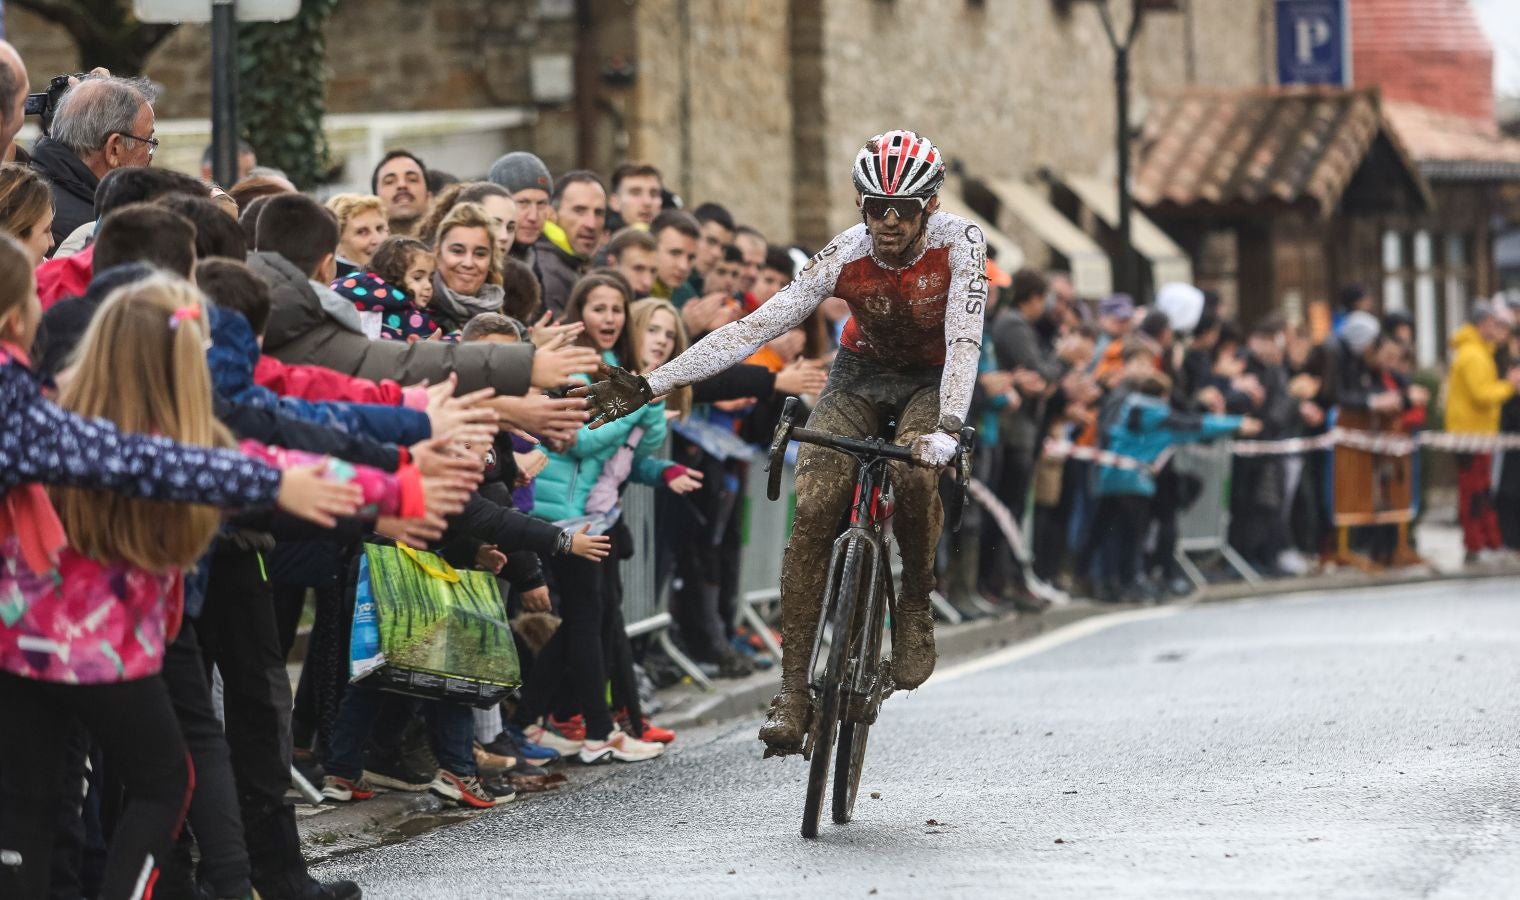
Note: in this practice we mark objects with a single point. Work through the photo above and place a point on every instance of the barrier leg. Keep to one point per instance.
(1404, 556)
(1239, 564)
(943, 607)
(682, 661)
(304, 787)
(1190, 569)
(759, 626)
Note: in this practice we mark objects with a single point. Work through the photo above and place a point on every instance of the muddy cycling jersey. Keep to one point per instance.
(927, 313)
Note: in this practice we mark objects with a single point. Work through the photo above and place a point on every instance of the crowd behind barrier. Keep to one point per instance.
(377, 391)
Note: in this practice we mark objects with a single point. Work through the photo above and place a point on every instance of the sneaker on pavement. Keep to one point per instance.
(512, 742)
(620, 746)
(393, 774)
(548, 736)
(466, 790)
(500, 787)
(653, 734)
(573, 728)
(488, 763)
(345, 791)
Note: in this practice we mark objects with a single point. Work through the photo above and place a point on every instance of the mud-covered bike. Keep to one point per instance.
(847, 678)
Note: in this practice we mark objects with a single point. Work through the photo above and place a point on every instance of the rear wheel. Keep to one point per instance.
(852, 736)
(841, 606)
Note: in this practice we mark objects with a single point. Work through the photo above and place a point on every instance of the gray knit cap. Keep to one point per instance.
(519, 171)
(1359, 330)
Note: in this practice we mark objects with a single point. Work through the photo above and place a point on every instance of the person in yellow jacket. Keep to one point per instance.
(1475, 392)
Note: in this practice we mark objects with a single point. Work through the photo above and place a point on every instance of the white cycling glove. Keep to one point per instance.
(935, 448)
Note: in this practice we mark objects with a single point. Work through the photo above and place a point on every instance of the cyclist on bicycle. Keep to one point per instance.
(915, 280)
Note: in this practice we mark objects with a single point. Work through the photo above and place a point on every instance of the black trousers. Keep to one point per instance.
(134, 722)
(239, 634)
(1014, 473)
(214, 816)
(576, 655)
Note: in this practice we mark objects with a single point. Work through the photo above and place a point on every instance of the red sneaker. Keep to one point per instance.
(573, 728)
(655, 734)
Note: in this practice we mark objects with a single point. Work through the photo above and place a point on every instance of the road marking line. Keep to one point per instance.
(1063, 635)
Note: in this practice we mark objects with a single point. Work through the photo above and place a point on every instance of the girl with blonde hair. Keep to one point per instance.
(94, 584)
(657, 335)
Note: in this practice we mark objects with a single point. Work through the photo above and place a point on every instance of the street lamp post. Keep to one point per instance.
(1122, 43)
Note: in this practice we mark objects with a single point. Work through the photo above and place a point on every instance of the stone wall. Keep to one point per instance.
(712, 105)
(1008, 87)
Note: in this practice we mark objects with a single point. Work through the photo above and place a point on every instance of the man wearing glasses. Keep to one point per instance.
(916, 282)
(102, 123)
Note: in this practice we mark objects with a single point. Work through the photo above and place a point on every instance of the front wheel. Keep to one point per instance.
(841, 606)
(852, 738)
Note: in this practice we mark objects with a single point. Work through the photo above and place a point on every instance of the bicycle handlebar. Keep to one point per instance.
(875, 447)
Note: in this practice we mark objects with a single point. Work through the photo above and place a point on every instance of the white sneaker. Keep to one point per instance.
(548, 737)
(1293, 562)
(620, 746)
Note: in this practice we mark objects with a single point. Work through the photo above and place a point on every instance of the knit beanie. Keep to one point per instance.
(1359, 330)
(519, 171)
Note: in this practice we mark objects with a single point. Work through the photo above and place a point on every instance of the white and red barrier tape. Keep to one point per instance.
(1379, 442)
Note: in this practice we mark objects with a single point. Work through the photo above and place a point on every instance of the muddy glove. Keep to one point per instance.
(935, 449)
(618, 393)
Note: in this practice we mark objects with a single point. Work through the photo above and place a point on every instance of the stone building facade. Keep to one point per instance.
(758, 103)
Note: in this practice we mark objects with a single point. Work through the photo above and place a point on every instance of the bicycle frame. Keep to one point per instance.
(870, 526)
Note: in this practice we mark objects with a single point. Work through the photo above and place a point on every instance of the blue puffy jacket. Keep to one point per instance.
(235, 352)
(560, 490)
(1140, 426)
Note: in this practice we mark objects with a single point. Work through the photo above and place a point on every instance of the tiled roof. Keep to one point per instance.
(1432, 52)
(1455, 147)
(1241, 148)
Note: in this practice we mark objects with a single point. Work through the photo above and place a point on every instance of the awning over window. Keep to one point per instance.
(1168, 261)
(1023, 205)
(1009, 255)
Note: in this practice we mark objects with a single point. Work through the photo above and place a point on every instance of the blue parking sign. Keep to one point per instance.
(1313, 42)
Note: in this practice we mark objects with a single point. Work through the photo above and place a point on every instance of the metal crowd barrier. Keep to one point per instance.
(766, 526)
(1204, 527)
(646, 599)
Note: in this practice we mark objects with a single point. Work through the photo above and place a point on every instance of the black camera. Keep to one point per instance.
(44, 103)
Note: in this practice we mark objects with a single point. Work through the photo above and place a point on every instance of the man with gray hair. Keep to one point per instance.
(102, 123)
(13, 90)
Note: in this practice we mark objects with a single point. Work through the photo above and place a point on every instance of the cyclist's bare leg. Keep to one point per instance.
(919, 519)
(825, 480)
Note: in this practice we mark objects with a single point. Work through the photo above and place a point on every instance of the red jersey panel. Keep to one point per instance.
(897, 317)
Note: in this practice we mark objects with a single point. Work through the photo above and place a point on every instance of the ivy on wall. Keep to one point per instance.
(280, 92)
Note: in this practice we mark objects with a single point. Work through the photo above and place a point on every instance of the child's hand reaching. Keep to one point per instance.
(306, 494)
(530, 464)
(445, 495)
(1250, 427)
(490, 558)
(686, 482)
(537, 600)
(438, 457)
(417, 533)
(591, 547)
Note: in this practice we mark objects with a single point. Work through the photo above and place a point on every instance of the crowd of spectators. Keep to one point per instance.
(427, 333)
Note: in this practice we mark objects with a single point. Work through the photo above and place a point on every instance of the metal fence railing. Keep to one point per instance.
(646, 598)
(1204, 527)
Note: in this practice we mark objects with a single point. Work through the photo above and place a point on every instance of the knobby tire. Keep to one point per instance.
(826, 721)
(852, 737)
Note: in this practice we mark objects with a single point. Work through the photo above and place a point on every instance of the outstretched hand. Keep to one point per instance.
(616, 393)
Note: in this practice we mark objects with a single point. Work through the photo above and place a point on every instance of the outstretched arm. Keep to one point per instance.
(737, 341)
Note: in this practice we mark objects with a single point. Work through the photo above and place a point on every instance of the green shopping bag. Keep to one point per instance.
(425, 629)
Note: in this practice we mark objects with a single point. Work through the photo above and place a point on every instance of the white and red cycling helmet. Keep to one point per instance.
(899, 164)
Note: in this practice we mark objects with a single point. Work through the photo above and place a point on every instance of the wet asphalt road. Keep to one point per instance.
(1352, 745)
